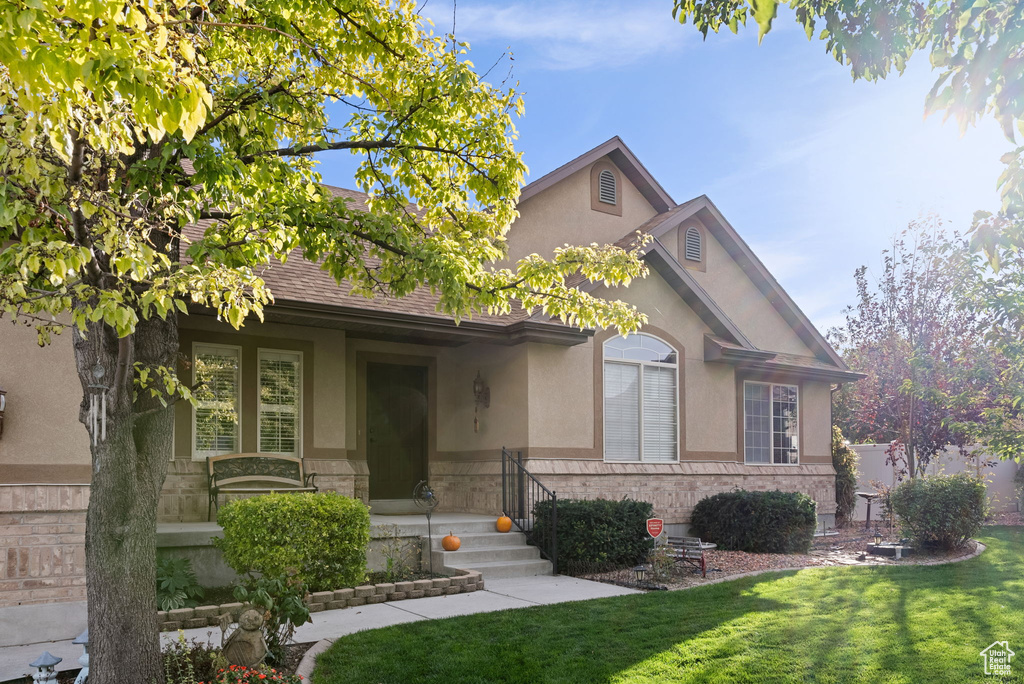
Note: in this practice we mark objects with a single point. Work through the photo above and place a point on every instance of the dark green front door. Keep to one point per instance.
(396, 428)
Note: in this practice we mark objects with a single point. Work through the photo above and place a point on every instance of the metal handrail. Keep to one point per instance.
(521, 492)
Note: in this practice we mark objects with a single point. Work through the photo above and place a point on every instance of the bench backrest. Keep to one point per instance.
(234, 468)
(687, 543)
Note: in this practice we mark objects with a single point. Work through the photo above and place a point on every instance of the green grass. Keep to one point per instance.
(862, 624)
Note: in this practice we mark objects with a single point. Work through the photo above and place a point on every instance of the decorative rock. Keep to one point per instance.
(321, 596)
(422, 585)
(246, 645)
(315, 607)
(416, 593)
(397, 596)
(357, 601)
(385, 589)
(344, 594)
(405, 586)
(193, 623)
(376, 598)
(435, 591)
(365, 590)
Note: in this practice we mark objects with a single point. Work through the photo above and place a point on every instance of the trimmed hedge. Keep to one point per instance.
(758, 522)
(941, 510)
(322, 538)
(597, 530)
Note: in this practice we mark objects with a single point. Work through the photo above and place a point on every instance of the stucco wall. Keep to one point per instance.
(562, 215)
(561, 390)
(42, 440)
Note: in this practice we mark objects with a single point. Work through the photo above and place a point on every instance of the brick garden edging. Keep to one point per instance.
(209, 616)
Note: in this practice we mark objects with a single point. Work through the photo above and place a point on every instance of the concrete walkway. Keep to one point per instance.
(499, 594)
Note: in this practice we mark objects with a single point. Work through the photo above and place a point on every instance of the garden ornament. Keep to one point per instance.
(246, 645)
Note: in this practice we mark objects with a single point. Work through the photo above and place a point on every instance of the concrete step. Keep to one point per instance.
(487, 554)
(506, 569)
(476, 540)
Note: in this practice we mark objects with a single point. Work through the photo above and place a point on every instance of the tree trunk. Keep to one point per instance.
(128, 471)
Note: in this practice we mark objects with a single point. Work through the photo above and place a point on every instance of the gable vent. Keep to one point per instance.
(606, 187)
(692, 244)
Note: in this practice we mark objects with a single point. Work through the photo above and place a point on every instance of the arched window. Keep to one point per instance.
(606, 187)
(641, 391)
(692, 244)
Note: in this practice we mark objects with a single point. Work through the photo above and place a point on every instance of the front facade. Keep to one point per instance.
(727, 386)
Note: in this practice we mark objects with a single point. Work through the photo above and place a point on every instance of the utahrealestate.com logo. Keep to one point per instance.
(997, 658)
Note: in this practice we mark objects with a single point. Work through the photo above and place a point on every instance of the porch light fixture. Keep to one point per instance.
(3, 407)
(641, 574)
(482, 397)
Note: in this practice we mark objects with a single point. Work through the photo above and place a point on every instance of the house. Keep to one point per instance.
(728, 386)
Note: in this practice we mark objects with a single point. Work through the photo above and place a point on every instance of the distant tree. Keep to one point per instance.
(924, 353)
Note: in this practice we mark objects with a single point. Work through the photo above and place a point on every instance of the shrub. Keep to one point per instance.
(176, 584)
(191, 662)
(941, 511)
(844, 460)
(758, 522)
(320, 538)
(597, 530)
(282, 600)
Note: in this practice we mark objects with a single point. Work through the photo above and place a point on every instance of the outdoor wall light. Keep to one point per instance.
(3, 407)
(482, 397)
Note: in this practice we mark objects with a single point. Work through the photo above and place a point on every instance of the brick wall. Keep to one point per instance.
(674, 489)
(42, 543)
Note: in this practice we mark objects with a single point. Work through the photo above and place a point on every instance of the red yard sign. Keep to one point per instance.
(655, 526)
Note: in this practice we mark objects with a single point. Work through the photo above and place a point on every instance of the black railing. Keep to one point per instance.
(521, 492)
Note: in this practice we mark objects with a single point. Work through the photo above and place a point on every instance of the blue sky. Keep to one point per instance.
(815, 171)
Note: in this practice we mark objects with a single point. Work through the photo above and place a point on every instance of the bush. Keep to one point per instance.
(320, 538)
(191, 662)
(758, 522)
(844, 460)
(597, 530)
(176, 584)
(941, 511)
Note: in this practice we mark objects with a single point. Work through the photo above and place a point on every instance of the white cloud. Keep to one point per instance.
(568, 34)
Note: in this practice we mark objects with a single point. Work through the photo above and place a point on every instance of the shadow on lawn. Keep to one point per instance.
(894, 624)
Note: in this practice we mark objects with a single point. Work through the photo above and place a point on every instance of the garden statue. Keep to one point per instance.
(246, 645)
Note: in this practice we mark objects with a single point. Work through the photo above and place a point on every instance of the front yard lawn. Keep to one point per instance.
(860, 624)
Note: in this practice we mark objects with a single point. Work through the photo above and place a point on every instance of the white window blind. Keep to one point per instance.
(621, 411)
(770, 423)
(693, 250)
(216, 409)
(280, 402)
(641, 400)
(606, 187)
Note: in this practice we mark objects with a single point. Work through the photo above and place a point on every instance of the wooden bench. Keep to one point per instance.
(272, 472)
(688, 550)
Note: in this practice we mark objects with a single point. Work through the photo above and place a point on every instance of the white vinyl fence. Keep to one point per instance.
(999, 476)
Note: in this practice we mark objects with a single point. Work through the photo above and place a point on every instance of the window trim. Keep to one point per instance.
(259, 399)
(771, 434)
(202, 456)
(640, 396)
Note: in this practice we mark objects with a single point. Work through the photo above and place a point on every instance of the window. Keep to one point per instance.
(692, 244)
(216, 415)
(770, 424)
(280, 402)
(641, 411)
(606, 186)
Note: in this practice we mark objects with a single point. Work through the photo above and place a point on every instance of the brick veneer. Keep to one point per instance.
(42, 543)
(674, 489)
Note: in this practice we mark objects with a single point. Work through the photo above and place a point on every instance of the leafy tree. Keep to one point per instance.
(927, 364)
(844, 460)
(977, 47)
(124, 123)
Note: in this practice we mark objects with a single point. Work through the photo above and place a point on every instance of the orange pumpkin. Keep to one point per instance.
(504, 523)
(451, 543)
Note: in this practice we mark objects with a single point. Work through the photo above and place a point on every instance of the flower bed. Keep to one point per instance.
(210, 616)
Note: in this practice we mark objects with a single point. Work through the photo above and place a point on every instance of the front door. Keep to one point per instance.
(396, 428)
